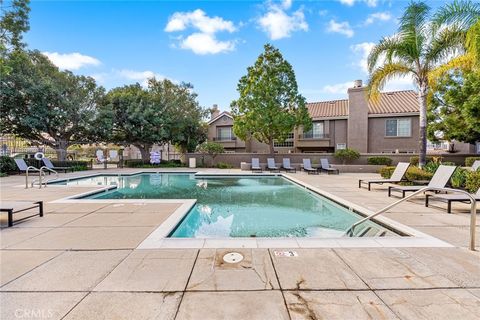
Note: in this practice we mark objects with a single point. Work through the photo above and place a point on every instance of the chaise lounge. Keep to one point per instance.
(439, 180)
(287, 166)
(449, 198)
(23, 167)
(307, 166)
(397, 176)
(50, 165)
(271, 165)
(256, 165)
(325, 166)
(476, 165)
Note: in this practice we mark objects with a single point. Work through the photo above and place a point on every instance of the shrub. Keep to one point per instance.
(414, 160)
(414, 173)
(379, 161)
(472, 181)
(139, 163)
(470, 160)
(459, 178)
(7, 164)
(79, 167)
(386, 172)
(346, 155)
(211, 148)
(2, 174)
(223, 165)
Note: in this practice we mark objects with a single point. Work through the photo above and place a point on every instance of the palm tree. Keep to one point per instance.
(423, 43)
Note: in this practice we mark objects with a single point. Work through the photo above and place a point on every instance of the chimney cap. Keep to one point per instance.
(357, 83)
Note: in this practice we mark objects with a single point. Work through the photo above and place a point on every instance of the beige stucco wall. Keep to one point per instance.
(339, 132)
(357, 119)
(378, 142)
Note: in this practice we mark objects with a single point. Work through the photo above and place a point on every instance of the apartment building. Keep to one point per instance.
(387, 125)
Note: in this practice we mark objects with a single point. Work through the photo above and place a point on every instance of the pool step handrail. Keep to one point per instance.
(26, 174)
(473, 211)
(41, 175)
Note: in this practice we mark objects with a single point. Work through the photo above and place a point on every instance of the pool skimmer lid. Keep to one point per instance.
(232, 257)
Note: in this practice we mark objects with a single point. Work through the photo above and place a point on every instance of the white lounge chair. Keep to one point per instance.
(271, 165)
(439, 180)
(100, 156)
(325, 166)
(307, 166)
(256, 165)
(449, 198)
(287, 166)
(476, 165)
(397, 176)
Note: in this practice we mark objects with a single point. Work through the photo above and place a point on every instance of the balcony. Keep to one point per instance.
(230, 142)
(310, 140)
(313, 136)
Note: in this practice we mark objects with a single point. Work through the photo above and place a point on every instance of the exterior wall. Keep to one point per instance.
(378, 142)
(340, 132)
(357, 120)
(236, 145)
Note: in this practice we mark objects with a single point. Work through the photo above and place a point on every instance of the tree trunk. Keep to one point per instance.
(144, 151)
(422, 101)
(272, 149)
(61, 150)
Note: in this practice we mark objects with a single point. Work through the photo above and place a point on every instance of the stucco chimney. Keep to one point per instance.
(357, 118)
(214, 112)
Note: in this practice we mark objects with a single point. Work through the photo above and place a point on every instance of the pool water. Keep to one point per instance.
(233, 206)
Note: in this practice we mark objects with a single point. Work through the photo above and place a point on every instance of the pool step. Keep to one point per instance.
(369, 231)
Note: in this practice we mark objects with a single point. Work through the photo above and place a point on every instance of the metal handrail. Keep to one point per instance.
(42, 174)
(473, 211)
(51, 170)
(26, 174)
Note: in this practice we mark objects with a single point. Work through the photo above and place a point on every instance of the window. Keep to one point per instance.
(224, 133)
(478, 147)
(288, 143)
(341, 146)
(398, 127)
(316, 132)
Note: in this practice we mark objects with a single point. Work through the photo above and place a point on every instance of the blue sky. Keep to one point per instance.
(211, 43)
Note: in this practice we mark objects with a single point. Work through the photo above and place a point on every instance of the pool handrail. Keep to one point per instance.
(473, 211)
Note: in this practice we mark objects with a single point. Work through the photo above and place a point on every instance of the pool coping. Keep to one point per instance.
(158, 238)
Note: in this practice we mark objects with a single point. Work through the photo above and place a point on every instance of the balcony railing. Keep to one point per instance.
(224, 138)
(314, 136)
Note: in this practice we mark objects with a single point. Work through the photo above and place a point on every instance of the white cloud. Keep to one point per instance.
(71, 61)
(340, 27)
(138, 76)
(339, 88)
(370, 3)
(397, 84)
(278, 24)
(378, 16)
(204, 41)
(362, 50)
(197, 19)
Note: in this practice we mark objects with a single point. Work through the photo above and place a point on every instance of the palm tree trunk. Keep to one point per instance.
(422, 101)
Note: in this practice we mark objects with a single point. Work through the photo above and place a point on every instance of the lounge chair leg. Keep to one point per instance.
(10, 218)
(40, 208)
(389, 191)
(449, 207)
(369, 186)
(359, 183)
(403, 194)
(426, 200)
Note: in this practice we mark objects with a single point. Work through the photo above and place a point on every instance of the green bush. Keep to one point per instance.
(472, 181)
(139, 163)
(7, 164)
(414, 173)
(470, 160)
(379, 161)
(78, 167)
(223, 165)
(2, 174)
(414, 160)
(386, 172)
(346, 155)
(459, 178)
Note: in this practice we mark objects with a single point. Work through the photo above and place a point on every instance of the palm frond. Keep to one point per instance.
(380, 76)
(447, 42)
(387, 48)
(464, 63)
(473, 43)
(463, 13)
(414, 26)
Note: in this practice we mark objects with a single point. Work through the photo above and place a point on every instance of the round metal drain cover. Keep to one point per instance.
(232, 257)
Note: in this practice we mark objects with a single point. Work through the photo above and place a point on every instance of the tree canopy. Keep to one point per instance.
(269, 106)
(454, 108)
(164, 112)
(43, 104)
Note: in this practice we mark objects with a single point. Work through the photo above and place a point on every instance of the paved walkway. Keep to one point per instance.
(80, 262)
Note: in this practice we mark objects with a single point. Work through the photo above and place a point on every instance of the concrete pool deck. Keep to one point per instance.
(81, 261)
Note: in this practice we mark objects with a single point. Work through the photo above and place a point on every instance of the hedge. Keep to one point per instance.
(413, 173)
(414, 160)
(7, 164)
(380, 161)
(472, 181)
(76, 164)
(139, 163)
(470, 160)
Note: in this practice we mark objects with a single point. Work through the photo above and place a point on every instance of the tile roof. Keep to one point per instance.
(389, 102)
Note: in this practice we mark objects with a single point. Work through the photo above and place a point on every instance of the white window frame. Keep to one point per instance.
(341, 146)
(218, 133)
(398, 120)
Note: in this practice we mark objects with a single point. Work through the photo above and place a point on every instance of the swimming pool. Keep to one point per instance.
(238, 206)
